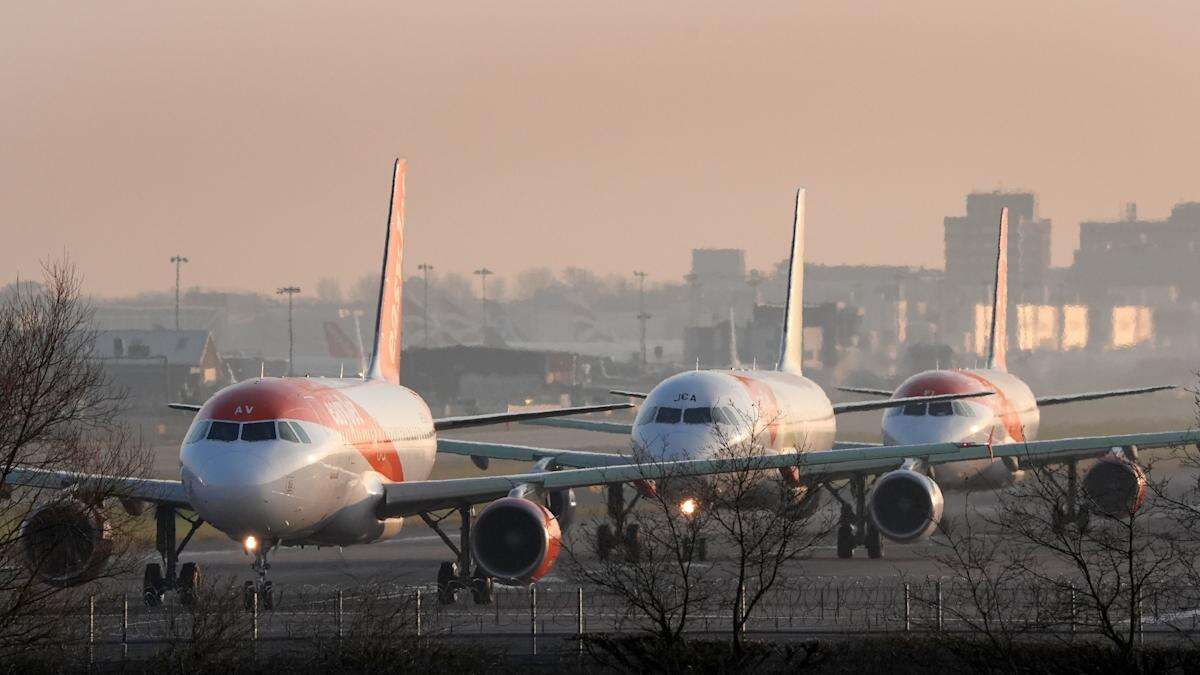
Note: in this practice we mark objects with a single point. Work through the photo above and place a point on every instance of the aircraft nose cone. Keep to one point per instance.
(235, 492)
(921, 430)
(662, 442)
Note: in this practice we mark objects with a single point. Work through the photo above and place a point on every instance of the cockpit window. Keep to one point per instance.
(963, 410)
(667, 415)
(698, 416)
(223, 431)
(941, 409)
(199, 430)
(286, 433)
(720, 417)
(258, 431)
(645, 415)
(299, 428)
(914, 410)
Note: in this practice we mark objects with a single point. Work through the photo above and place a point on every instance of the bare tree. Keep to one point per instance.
(58, 412)
(329, 291)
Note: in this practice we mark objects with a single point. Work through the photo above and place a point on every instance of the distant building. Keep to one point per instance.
(970, 243)
(1133, 260)
(161, 366)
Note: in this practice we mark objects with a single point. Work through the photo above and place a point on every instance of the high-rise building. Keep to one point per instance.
(971, 244)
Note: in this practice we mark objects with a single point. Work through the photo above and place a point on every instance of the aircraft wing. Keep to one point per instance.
(578, 459)
(447, 423)
(147, 489)
(866, 390)
(630, 394)
(1092, 395)
(863, 406)
(584, 425)
(402, 499)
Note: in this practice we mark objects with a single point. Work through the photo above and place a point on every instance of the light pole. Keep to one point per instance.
(178, 260)
(289, 291)
(425, 270)
(642, 315)
(483, 273)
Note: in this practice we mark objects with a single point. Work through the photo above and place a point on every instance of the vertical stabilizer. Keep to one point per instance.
(734, 361)
(385, 361)
(791, 351)
(999, 338)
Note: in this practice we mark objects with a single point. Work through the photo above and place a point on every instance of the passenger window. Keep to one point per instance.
(698, 416)
(941, 409)
(914, 409)
(667, 415)
(301, 432)
(258, 431)
(223, 431)
(286, 433)
(199, 429)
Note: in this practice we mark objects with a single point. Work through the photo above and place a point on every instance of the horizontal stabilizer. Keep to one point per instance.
(630, 394)
(1093, 395)
(184, 406)
(584, 425)
(864, 406)
(447, 423)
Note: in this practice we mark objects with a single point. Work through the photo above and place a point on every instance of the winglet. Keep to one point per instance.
(791, 351)
(999, 337)
(385, 361)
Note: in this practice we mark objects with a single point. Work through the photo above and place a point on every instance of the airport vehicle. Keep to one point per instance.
(695, 414)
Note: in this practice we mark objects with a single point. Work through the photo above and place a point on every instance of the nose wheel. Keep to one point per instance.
(160, 578)
(261, 589)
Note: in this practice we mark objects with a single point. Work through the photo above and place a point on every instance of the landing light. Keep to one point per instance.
(251, 544)
(688, 506)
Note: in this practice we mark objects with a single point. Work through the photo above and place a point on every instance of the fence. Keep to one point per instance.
(115, 626)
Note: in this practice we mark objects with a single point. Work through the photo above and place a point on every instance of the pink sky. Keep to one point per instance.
(256, 138)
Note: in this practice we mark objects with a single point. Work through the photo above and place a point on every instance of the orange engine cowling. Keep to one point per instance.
(1115, 486)
(65, 542)
(516, 540)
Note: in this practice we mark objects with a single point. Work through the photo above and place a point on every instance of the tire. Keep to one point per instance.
(266, 597)
(874, 542)
(845, 542)
(481, 589)
(604, 542)
(447, 576)
(248, 595)
(152, 585)
(633, 543)
(189, 582)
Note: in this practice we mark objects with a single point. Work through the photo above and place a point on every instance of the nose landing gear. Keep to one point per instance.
(260, 588)
(155, 580)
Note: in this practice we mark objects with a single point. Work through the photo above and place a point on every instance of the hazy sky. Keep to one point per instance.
(256, 137)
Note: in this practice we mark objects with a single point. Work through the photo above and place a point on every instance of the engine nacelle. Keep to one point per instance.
(562, 504)
(905, 505)
(1115, 486)
(65, 542)
(516, 540)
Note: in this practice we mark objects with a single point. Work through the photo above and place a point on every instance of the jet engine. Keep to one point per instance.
(1115, 485)
(516, 540)
(66, 542)
(905, 505)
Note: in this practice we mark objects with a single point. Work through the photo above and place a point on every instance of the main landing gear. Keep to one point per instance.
(456, 576)
(855, 527)
(1071, 513)
(185, 581)
(618, 534)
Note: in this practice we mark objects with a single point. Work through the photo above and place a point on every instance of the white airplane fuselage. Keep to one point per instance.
(782, 411)
(248, 470)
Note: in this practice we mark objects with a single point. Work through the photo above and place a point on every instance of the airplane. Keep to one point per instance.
(695, 414)
(1010, 412)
